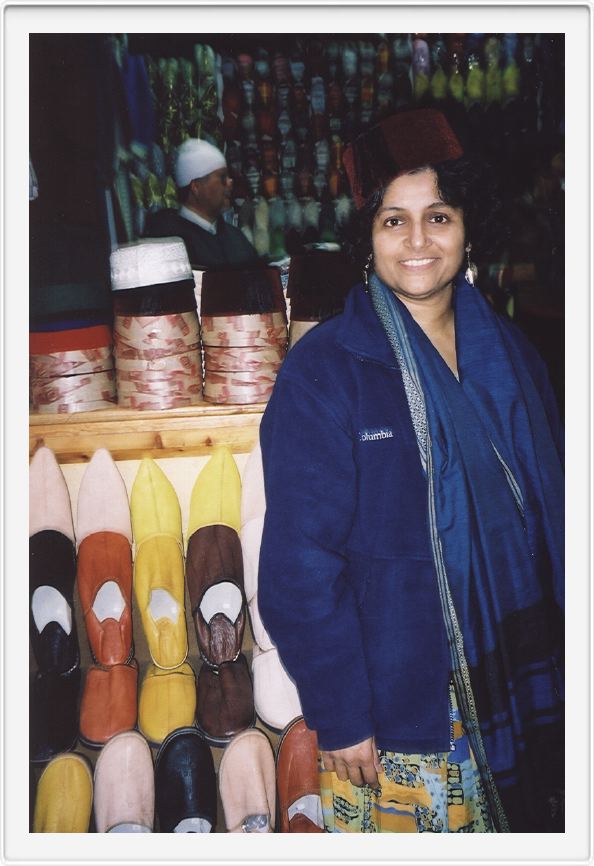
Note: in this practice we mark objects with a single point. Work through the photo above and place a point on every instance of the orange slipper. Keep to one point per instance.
(109, 702)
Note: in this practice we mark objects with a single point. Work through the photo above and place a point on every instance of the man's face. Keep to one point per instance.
(212, 193)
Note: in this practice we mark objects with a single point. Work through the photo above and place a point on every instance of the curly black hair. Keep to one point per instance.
(468, 183)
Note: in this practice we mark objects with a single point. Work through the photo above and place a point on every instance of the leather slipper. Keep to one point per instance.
(216, 495)
(52, 626)
(185, 784)
(276, 698)
(247, 783)
(102, 504)
(109, 702)
(253, 509)
(125, 786)
(154, 506)
(53, 714)
(297, 780)
(225, 704)
(104, 582)
(167, 701)
(158, 566)
(214, 571)
(160, 595)
(49, 500)
(251, 539)
(64, 796)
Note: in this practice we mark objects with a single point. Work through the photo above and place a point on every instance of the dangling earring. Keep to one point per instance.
(471, 273)
(367, 268)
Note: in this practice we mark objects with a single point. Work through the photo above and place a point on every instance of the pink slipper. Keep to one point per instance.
(247, 783)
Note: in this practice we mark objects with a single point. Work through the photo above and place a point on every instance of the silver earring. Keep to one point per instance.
(471, 273)
(367, 268)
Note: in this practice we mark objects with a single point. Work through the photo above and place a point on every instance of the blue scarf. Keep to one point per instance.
(495, 507)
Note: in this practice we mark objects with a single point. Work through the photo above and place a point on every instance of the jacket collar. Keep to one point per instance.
(360, 331)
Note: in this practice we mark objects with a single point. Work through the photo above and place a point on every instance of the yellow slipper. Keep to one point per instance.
(159, 565)
(167, 701)
(216, 495)
(64, 796)
(153, 504)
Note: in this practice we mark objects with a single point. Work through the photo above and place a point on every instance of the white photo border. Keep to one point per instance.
(21, 18)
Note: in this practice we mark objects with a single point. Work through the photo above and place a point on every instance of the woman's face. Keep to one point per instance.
(418, 241)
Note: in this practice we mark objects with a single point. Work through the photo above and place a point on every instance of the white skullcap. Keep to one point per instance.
(196, 158)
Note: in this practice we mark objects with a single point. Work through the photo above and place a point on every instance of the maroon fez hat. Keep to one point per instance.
(401, 142)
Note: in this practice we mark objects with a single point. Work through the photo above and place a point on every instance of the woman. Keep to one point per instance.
(411, 569)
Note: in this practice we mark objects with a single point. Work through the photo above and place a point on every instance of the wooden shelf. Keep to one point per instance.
(130, 434)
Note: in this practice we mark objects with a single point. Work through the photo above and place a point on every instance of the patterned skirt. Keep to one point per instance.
(429, 793)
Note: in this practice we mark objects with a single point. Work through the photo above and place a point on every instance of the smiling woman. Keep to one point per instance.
(418, 240)
(418, 248)
(425, 564)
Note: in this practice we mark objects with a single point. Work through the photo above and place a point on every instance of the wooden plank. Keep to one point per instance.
(131, 435)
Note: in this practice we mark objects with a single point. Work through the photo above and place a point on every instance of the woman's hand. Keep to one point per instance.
(360, 764)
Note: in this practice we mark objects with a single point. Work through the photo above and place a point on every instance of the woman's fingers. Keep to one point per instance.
(357, 764)
(376, 759)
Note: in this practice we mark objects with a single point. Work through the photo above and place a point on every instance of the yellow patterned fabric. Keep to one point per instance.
(431, 793)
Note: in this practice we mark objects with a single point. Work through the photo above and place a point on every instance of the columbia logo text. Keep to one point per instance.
(373, 435)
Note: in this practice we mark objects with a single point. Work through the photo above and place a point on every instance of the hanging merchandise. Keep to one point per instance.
(475, 78)
(456, 85)
(439, 79)
(493, 76)
(261, 227)
(421, 65)
(156, 332)
(402, 52)
(475, 87)
(33, 183)
(215, 585)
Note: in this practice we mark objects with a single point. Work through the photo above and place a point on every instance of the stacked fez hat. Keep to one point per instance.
(156, 332)
(244, 332)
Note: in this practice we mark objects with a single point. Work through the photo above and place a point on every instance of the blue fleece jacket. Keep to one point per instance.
(347, 586)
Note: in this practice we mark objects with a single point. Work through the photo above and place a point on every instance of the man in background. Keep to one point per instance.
(204, 193)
